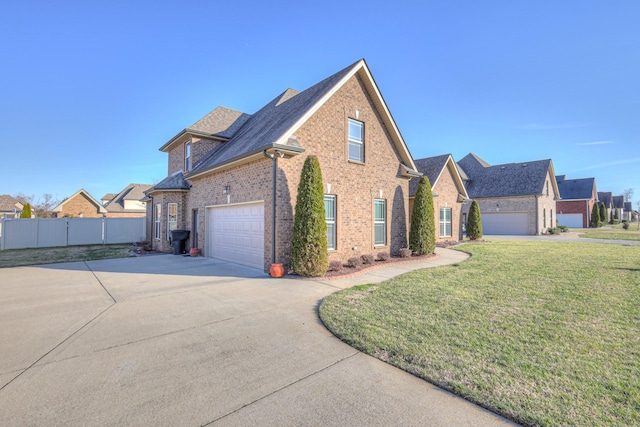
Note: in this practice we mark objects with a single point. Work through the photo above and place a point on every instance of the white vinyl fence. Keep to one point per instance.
(49, 232)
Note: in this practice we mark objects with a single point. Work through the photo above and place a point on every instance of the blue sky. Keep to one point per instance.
(90, 90)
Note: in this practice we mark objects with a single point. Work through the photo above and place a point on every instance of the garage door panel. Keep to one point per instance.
(510, 223)
(237, 234)
(570, 220)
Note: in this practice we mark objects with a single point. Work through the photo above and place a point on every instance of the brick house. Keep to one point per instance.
(228, 171)
(618, 207)
(577, 197)
(81, 205)
(127, 203)
(448, 195)
(514, 198)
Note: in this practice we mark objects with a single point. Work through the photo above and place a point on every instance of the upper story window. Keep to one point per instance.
(187, 156)
(356, 141)
(547, 190)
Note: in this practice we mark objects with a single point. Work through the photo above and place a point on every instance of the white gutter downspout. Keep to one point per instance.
(274, 158)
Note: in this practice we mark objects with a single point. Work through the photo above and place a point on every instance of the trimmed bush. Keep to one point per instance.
(384, 256)
(422, 236)
(367, 259)
(354, 262)
(26, 211)
(474, 223)
(563, 228)
(595, 216)
(625, 225)
(309, 247)
(603, 215)
(335, 265)
(405, 253)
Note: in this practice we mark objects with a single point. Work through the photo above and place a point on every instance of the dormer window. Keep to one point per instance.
(356, 141)
(187, 156)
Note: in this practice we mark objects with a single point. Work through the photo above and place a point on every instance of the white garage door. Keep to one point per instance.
(516, 223)
(236, 233)
(570, 220)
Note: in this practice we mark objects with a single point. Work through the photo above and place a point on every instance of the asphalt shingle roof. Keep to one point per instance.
(507, 180)
(431, 167)
(130, 192)
(9, 203)
(605, 197)
(262, 129)
(173, 182)
(575, 189)
(618, 202)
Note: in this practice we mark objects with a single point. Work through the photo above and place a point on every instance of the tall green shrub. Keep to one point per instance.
(309, 247)
(422, 236)
(595, 216)
(26, 211)
(616, 214)
(474, 223)
(603, 214)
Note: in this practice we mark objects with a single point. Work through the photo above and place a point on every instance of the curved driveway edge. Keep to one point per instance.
(171, 340)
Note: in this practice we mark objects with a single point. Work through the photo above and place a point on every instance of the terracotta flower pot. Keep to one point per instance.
(277, 270)
(194, 252)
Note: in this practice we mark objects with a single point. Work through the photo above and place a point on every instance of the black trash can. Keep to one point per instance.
(179, 240)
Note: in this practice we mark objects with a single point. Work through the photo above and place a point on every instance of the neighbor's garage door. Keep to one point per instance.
(505, 223)
(570, 220)
(236, 233)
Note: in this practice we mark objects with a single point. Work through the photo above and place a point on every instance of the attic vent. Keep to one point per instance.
(524, 166)
(503, 167)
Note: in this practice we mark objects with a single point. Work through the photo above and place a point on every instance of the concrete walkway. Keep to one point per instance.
(171, 340)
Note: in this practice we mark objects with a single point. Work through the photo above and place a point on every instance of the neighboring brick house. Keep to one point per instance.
(80, 205)
(606, 197)
(577, 197)
(628, 211)
(223, 169)
(514, 198)
(128, 203)
(448, 195)
(10, 207)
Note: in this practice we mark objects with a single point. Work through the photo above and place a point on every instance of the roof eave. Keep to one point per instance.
(188, 131)
(248, 157)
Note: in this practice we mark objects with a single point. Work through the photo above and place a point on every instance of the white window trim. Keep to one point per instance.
(352, 140)
(171, 224)
(445, 222)
(187, 156)
(378, 222)
(157, 221)
(335, 229)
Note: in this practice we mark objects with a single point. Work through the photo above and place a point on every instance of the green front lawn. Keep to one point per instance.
(615, 232)
(544, 333)
(17, 257)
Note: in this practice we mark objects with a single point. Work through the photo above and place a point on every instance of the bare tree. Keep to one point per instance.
(41, 208)
(628, 194)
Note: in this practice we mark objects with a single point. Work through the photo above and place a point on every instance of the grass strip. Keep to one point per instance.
(33, 256)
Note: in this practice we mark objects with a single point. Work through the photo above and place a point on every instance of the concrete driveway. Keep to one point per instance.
(171, 340)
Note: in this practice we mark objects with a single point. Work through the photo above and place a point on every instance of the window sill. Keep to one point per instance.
(356, 162)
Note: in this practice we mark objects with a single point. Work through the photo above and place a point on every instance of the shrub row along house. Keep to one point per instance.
(232, 179)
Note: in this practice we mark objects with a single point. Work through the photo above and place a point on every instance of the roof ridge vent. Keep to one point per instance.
(524, 165)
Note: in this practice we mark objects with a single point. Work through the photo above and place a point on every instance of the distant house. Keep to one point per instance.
(606, 197)
(448, 194)
(80, 205)
(514, 198)
(577, 197)
(128, 203)
(618, 205)
(107, 198)
(10, 207)
(628, 211)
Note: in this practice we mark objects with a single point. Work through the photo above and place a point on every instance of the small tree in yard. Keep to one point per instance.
(26, 211)
(309, 247)
(422, 237)
(595, 216)
(603, 214)
(474, 224)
